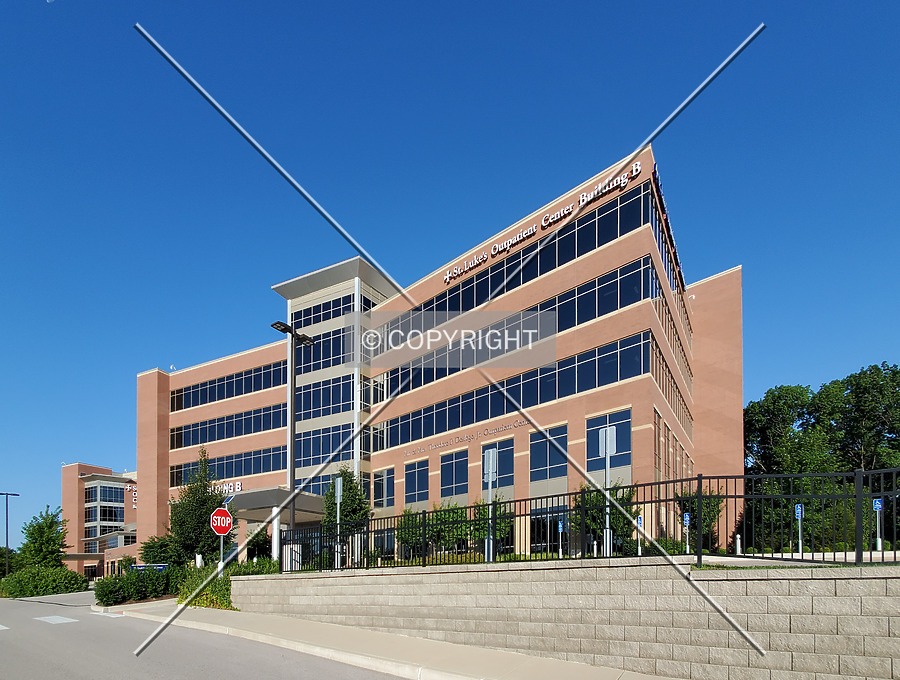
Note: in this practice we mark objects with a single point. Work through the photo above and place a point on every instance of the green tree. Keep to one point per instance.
(447, 527)
(355, 510)
(45, 540)
(777, 433)
(593, 503)
(503, 518)
(156, 550)
(189, 530)
(712, 509)
(13, 560)
(861, 416)
(409, 532)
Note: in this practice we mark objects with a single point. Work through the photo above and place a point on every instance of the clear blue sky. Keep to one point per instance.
(138, 230)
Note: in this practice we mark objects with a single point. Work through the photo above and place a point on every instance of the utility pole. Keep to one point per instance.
(7, 527)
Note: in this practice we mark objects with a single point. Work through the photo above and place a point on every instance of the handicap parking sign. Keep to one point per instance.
(798, 511)
(877, 504)
(687, 519)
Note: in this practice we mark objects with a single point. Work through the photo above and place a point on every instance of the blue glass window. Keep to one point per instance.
(383, 488)
(455, 473)
(505, 463)
(247, 422)
(621, 456)
(416, 481)
(547, 461)
(624, 286)
(235, 384)
(594, 368)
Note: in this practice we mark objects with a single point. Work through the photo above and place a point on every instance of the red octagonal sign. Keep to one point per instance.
(221, 521)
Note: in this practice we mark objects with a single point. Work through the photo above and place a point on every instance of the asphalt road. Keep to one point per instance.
(60, 637)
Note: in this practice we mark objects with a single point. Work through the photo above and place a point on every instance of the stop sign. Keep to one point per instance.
(221, 521)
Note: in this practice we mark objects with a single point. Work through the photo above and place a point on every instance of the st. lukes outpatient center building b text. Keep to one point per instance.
(633, 349)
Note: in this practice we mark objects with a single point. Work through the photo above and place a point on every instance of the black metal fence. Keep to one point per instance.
(841, 517)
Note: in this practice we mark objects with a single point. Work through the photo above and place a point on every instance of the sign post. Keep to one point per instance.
(560, 528)
(687, 533)
(338, 494)
(607, 445)
(877, 506)
(490, 476)
(640, 523)
(221, 523)
(798, 513)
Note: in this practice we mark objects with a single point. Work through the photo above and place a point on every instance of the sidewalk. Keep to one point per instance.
(398, 655)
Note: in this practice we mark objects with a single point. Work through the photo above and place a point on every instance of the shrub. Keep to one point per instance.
(36, 581)
(217, 594)
(138, 585)
(670, 545)
(109, 591)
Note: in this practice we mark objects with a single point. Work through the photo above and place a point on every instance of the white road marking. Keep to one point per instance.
(109, 614)
(3, 628)
(55, 619)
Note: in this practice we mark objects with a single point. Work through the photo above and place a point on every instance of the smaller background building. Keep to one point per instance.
(99, 507)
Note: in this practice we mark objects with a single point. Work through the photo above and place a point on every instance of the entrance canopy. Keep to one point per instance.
(255, 505)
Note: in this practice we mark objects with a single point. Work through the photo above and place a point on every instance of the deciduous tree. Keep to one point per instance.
(45, 539)
(189, 529)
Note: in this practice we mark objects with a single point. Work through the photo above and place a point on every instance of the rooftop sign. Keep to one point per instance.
(547, 220)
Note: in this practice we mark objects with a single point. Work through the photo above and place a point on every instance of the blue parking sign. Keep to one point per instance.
(560, 526)
(687, 519)
(798, 511)
(640, 521)
(877, 504)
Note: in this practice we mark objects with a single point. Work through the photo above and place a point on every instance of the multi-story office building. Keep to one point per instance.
(99, 508)
(642, 369)
(236, 407)
(637, 351)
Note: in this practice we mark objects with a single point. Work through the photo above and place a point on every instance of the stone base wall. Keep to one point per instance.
(815, 623)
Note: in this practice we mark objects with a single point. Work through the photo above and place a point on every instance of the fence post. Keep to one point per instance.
(583, 525)
(424, 536)
(860, 507)
(494, 514)
(699, 525)
(366, 538)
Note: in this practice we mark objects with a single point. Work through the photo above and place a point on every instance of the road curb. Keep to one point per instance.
(122, 608)
(373, 663)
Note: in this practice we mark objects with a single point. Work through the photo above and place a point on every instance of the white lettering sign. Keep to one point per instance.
(229, 487)
(548, 220)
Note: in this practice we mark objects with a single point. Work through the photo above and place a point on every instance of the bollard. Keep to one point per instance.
(737, 545)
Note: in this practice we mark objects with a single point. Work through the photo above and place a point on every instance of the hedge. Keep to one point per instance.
(38, 581)
(138, 585)
(217, 594)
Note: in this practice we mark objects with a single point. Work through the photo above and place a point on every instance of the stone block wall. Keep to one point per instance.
(815, 623)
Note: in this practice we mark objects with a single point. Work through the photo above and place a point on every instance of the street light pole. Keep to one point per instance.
(307, 341)
(7, 527)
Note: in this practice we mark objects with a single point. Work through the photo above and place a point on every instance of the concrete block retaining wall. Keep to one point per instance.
(815, 623)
